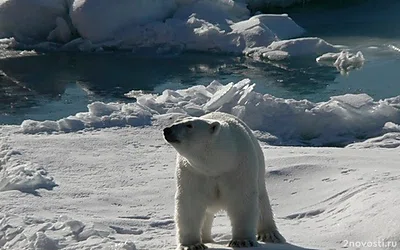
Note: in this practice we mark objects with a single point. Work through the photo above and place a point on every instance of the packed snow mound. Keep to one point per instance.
(391, 139)
(99, 20)
(100, 115)
(201, 27)
(280, 50)
(39, 20)
(159, 26)
(27, 232)
(343, 61)
(388, 140)
(339, 121)
(16, 174)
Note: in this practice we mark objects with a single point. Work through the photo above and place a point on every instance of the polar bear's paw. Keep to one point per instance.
(273, 237)
(243, 243)
(198, 246)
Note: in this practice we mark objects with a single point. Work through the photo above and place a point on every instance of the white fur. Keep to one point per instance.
(220, 165)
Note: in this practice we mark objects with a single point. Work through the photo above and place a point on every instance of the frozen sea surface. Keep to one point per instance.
(56, 85)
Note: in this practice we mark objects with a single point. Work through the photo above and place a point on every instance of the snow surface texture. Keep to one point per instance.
(28, 232)
(17, 174)
(116, 186)
(339, 121)
(158, 27)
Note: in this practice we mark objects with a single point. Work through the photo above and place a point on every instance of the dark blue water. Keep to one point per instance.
(55, 85)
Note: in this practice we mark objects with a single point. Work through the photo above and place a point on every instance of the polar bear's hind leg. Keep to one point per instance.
(267, 230)
(206, 229)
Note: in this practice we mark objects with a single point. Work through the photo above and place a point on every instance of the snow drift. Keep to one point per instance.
(17, 174)
(339, 121)
(18, 232)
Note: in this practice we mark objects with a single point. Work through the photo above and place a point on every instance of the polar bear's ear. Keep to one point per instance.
(214, 127)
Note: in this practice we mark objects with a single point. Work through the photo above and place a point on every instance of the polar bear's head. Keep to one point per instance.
(192, 136)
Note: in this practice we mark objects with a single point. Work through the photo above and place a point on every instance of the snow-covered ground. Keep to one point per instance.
(115, 189)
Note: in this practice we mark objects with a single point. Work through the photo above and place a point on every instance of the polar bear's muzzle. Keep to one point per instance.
(170, 136)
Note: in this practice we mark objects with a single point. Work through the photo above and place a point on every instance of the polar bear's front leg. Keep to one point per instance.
(190, 208)
(244, 215)
(189, 215)
(242, 207)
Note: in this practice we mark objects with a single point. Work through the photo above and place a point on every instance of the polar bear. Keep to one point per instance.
(220, 166)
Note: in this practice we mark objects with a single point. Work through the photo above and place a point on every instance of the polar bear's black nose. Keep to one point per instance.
(167, 131)
(169, 135)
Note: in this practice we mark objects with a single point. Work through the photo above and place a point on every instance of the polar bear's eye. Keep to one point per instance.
(189, 125)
